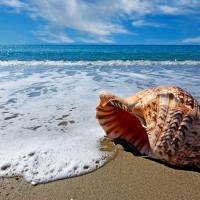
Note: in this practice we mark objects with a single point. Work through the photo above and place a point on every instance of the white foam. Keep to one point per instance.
(97, 63)
(48, 128)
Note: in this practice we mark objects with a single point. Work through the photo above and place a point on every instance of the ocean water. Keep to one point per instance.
(48, 96)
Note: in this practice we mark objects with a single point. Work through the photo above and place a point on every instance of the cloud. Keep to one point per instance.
(137, 6)
(86, 19)
(191, 40)
(169, 9)
(140, 23)
(178, 7)
(76, 15)
(15, 4)
(52, 36)
(89, 20)
(12, 3)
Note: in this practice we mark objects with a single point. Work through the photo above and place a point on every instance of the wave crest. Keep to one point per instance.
(96, 63)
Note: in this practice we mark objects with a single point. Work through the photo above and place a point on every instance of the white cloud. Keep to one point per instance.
(134, 6)
(12, 3)
(140, 23)
(76, 15)
(58, 37)
(84, 18)
(169, 9)
(16, 4)
(178, 7)
(191, 40)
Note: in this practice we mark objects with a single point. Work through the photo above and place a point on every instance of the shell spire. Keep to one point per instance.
(161, 122)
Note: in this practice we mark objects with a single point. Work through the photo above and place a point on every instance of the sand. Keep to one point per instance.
(125, 177)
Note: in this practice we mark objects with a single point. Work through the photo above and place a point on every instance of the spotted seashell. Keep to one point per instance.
(161, 122)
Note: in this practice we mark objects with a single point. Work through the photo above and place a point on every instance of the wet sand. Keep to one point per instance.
(125, 177)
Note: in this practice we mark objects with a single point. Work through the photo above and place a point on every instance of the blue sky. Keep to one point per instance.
(99, 22)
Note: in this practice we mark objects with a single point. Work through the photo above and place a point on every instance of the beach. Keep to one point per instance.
(125, 177)
(49, 134)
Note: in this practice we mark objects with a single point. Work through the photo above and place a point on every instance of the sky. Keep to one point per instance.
(111, 22)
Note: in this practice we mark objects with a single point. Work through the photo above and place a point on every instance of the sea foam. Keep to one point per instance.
(98, 63)
(48, 128)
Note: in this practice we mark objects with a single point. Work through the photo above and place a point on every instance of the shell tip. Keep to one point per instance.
(105, 96)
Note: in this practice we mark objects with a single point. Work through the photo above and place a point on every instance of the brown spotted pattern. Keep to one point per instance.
(161, 122)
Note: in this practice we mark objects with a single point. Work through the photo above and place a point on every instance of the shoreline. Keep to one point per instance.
(124, 177)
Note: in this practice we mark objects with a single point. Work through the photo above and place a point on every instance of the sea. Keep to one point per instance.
(48, 95)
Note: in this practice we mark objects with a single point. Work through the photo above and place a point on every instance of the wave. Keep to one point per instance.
(96, 63)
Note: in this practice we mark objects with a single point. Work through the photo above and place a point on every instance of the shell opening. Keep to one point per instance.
(117, 122)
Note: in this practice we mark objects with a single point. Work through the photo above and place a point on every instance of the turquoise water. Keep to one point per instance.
(100, 53)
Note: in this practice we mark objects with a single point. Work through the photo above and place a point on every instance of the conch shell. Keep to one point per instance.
(161, 123)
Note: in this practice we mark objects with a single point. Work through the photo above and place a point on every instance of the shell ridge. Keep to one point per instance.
(163, 111)
(192, 139)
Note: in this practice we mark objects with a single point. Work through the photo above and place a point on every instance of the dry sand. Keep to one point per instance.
(125, 177)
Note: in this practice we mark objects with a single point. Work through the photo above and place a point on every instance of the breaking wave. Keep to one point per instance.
(97, 63)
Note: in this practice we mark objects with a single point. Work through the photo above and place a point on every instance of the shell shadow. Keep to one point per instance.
(130, 148)
(127, 146)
